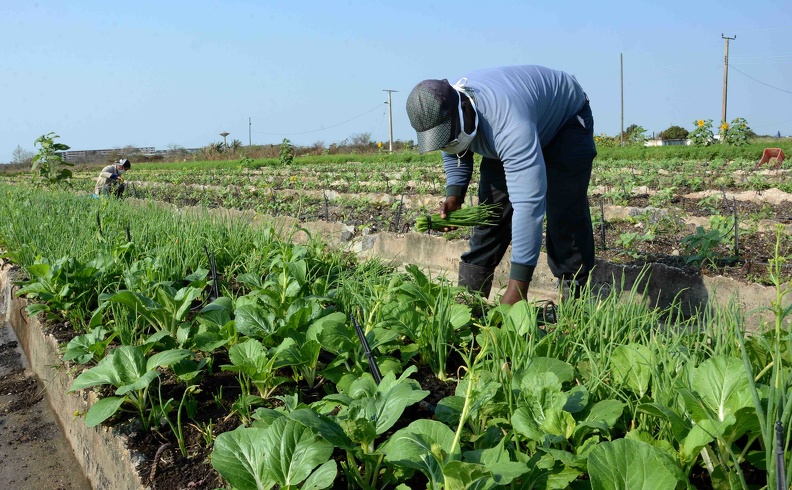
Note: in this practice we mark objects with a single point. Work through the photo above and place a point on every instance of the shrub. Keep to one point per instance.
(49, 161)
(286, 155)
(674, 133)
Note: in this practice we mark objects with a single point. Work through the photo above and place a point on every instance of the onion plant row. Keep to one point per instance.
(615, 395)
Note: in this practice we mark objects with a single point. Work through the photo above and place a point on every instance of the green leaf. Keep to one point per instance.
(522, 318)
(328, 321)
(458, 315)
(325, 426)
(103, 410)
(138, 384)
(293, 451)
(632, 367)
(322, 477)
(167, 358)
(122, 366)
(254, 322)
(462, 476)
(417, 445)
(627, 464)
(34, 309)
(607, 411)
(217, 313)
(563, 370)
(540, 416)
(239, 457)
(395, 396)
(692, 444)
(722, 385)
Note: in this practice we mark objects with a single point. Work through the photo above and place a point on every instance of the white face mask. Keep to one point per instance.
(463, 139)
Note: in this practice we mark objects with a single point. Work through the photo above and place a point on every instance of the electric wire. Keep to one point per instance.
(758, 81)
(324, 128)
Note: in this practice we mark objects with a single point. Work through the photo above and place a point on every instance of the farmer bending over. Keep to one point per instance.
(111, 180)
(534, 130)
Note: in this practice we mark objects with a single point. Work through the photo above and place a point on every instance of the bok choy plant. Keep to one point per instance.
(127, 369)
(285, 454)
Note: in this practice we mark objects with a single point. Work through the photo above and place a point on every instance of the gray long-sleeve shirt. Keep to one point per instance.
(520, 108)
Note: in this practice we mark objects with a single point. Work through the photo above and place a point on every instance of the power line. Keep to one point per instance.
(759, 81)
(763, 59)
(773, 124)
(324, 128)
(766, 29)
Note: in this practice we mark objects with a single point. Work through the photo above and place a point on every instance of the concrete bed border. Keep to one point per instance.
(100, 451)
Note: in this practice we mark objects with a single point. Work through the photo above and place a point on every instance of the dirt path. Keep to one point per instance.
(33, 453)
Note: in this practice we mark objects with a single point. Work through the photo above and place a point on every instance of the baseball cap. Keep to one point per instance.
(430, 107)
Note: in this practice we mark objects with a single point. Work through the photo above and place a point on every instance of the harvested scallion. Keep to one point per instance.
(483, 214)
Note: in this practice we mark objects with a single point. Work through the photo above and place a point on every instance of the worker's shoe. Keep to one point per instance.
(476, 278)
(547, 313)
(572, 288)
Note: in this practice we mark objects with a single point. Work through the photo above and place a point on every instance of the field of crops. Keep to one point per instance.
(716, 215)
(268, 363)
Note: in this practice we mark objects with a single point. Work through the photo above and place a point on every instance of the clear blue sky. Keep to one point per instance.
(155, 73)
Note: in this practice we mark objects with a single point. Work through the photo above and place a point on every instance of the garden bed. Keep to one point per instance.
(172, 321)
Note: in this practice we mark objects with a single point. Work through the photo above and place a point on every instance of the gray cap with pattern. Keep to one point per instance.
(430, 107)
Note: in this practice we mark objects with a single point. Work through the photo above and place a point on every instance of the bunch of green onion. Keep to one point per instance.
(481, 215)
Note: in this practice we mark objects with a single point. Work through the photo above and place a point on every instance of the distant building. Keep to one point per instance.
(662, 142)
(92, 155)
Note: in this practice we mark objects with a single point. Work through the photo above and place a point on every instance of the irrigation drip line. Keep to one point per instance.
(780, 464)
(398, 214)
(736, 232)
(602, 225)
(214, 290)
(372, 362)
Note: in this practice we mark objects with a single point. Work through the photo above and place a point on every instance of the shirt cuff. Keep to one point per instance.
(456, 190)
(520, 272)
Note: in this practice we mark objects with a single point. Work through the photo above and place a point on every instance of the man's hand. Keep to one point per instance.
(515, 291)
(447, 205)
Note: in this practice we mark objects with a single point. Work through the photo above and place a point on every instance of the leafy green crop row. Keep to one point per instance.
(615, 395)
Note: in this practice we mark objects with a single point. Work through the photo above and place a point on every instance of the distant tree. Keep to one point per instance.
(318, 148)
(362, 139)
(674, 133)
(634, 135)
(22, 156)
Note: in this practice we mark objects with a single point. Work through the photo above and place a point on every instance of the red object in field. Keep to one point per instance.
(768, 154)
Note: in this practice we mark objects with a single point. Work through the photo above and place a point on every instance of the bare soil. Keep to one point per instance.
(33, 451)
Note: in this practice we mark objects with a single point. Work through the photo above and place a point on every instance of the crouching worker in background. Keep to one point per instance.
(110, 181)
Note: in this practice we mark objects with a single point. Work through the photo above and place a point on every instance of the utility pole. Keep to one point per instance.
(250, 132)
(390, 120)
(725, 73)
(621, 67)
